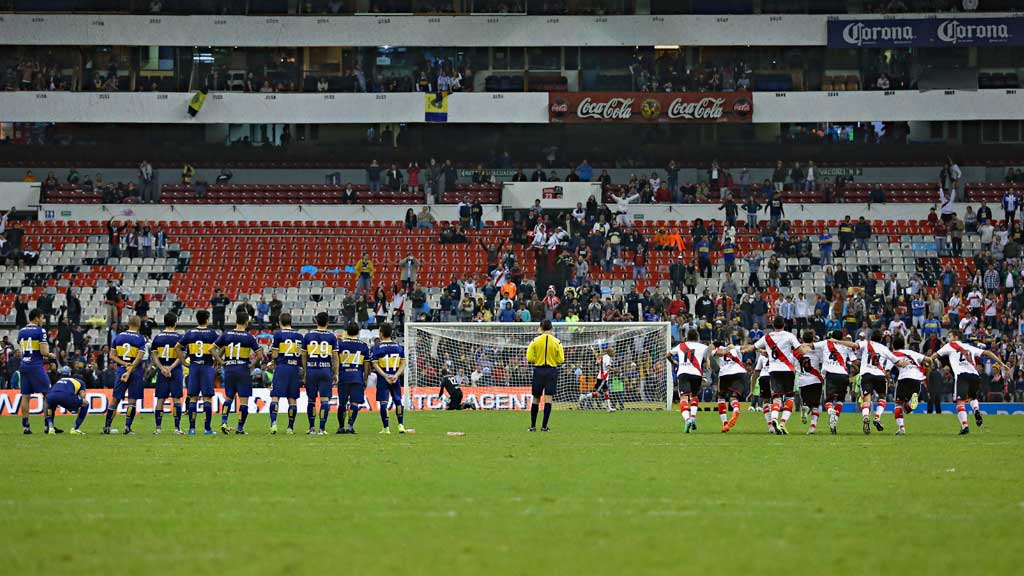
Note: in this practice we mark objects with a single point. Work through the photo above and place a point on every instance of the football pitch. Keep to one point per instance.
(624, 493)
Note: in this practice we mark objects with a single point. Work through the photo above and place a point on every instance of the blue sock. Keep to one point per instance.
(400, 412)
(293, 411)
(191, 407)
(341, 414)
(273, 413)
(325, 411)
(311, 413)
(110, 416)
(224, 412)
(533, 414)
(208, 412)
(384, 414)
(130, 416)
(158, 414)
(24, 422)
(82, 412)
(48, 418)
(352, 416)
(243, 415)
(547, 413)
(177, 415)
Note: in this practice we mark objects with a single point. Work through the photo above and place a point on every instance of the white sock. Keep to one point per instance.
(865, 409)
(785, 416)
(961, 415)
(974, 405)
(880, 409)
(899, 422)
(775, 416)
(814, 417)
(767, 417)
(693, 410)
(608, 404)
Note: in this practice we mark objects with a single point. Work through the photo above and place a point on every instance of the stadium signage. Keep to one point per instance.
(421, 398)
(857, 33)
(926, 32)
(584, 107)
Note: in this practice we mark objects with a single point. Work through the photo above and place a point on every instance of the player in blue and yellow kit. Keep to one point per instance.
(126, 352)
(69, 394)
(388, 361)
(239, 352)
(320, 362)
(354, 367)
(167, 357)
(32, 374)
(198, 343)
(286, 352)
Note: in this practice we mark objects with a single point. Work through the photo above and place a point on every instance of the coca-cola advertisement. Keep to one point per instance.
(644, 107)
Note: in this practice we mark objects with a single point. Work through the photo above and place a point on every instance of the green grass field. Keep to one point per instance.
(624, 493)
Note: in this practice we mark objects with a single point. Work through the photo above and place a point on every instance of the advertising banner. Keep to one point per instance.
(926, 32)
(421, 398)
(643, 107)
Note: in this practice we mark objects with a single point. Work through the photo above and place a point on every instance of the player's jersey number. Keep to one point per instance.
(349, 358)
(390, 363)
(319, 349)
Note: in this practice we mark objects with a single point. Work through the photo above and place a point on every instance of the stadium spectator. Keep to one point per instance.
(410, 267)
(364, 274)
(218, 306)
(1010, 203)
(373, 174)
(862, 233)
(114, 233)
(424, 219)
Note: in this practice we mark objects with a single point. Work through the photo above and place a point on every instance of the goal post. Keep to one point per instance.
(489, 360)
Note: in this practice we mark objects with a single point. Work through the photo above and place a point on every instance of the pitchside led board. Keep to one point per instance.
(420, 398)
(926, 32)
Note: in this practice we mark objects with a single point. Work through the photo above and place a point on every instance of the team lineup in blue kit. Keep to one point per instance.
(318, 361)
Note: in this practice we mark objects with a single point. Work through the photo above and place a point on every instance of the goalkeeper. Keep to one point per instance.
(453, 401)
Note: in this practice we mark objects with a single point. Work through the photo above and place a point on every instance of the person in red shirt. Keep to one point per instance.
(677, 306)
(414, 177)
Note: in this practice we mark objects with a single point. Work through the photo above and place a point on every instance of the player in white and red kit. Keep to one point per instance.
(691, 360)
(810, 381)
(909, 381)
(963, 359)
(732, 376)
(836, 358)
(602, 387)
(782, 361)
(874, 377)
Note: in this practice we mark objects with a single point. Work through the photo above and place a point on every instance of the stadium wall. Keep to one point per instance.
(480, 108)
(293, 212)
(239, 108)
(254, 212)
(793, 211)
(926, 174)
(21, 195)
(403, 30)
(380, 30)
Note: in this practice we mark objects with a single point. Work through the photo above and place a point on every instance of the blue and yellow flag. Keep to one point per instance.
(435, 107)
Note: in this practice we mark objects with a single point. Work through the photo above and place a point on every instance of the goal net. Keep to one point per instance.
(489, 361)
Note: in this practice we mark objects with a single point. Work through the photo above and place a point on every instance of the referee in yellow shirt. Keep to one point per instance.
(546, 355)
